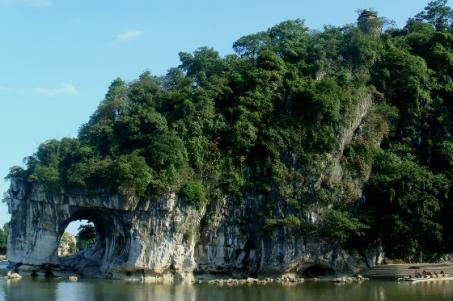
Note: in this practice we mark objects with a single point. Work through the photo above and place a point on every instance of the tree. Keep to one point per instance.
(4, 238)
(404, 200)
(249, 46)
(132, 175)
(438, 14)
(202, 65)
(86, 236)
(404, 78)
(340, 226)
(287, 39)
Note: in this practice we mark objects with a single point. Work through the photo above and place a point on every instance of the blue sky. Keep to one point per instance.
(57, 57)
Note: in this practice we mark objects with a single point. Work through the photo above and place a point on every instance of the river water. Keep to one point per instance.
(104, 290)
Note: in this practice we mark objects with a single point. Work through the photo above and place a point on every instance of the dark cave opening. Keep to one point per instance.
(318, 270)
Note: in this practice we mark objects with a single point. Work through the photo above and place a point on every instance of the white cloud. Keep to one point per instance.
(64, 89)
(127, 36)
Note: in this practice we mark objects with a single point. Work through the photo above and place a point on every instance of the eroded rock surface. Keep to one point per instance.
(131, 238)
(162, 241)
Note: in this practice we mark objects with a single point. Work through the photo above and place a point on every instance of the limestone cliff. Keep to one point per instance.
(161, 240)
(167, 239)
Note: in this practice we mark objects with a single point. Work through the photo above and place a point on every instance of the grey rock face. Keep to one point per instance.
(130, 237)
(164, 239)
(248, 249)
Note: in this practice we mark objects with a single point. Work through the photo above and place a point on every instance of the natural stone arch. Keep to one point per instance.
(153, 240)
(137, 238)
(112, 237)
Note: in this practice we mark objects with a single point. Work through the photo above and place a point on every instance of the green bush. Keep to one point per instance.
(339, 226)
(291, 221)
(3, 238)
(194, 193)
(86, 236)
(270, 223)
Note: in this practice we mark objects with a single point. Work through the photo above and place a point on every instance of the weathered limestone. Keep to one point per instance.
(246, 249)
(148, 238)
(162, 240)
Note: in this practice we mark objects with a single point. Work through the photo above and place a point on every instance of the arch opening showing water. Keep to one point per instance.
(99, 239)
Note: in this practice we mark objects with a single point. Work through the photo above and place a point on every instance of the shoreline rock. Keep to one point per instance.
(13, 276)
(73, 278)
(287, 279)
(252, 281)
(349, 279)
(165, 240)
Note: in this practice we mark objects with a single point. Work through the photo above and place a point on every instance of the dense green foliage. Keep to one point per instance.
(267, 121)
(409, 193)
(86, 236)
(3, 238)
(340, 226)
(193, 192)
(405, 198)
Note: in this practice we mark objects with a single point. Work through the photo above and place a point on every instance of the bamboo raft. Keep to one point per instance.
(426, 279)
(399, 271)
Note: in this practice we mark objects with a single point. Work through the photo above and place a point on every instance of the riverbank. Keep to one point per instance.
(287, 279)
(385, 271)
(209, 279)
(97, 289)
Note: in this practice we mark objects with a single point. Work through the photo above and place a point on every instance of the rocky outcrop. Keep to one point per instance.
(145, 238)
(162, 240)
(245, 248)
(165, 239)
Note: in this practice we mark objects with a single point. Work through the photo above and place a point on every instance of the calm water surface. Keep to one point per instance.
(103, 290)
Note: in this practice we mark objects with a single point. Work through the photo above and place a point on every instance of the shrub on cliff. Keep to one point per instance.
(340, 226)
(194, 193)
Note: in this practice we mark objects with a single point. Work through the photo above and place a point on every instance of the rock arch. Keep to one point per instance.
(135, 239)
(112, 236)
(161, 239)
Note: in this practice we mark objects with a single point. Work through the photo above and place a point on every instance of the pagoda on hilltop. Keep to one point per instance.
(369, 22)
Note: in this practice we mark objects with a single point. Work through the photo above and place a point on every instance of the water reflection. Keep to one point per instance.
(112, 290)
(28, 290)
(102, 290)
